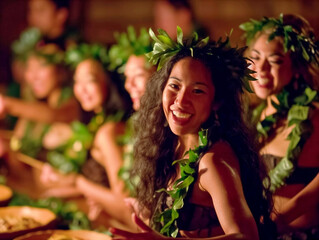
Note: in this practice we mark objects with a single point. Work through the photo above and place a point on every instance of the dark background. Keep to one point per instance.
(99, 19)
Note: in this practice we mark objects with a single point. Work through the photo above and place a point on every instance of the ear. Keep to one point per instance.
(62, 15)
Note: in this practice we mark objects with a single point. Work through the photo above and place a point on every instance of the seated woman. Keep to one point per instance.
(47, 77)
(196, 183)
(94, 89)
(137, 70)
(285, 58)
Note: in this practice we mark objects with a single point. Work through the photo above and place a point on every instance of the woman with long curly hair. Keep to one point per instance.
(285, 55)
(214, 188)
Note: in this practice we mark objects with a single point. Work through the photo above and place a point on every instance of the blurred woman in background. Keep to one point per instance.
(285, 56)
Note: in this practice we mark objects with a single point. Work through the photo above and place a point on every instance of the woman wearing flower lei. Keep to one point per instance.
(128, 57)
(285, 58)
(91, 149)
(47, 77)
(193, 183)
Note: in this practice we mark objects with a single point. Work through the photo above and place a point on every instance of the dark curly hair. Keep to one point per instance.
(154, 149)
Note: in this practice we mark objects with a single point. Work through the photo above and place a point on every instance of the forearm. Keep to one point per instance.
(37, 111)
(305, 200)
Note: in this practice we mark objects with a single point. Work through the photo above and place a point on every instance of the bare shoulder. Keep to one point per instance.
(110, 130)
(219, 155)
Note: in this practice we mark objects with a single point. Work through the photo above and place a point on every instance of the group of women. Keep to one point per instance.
(185, 161)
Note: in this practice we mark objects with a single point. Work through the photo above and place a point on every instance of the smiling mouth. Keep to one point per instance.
(181, 115)
(263, 81)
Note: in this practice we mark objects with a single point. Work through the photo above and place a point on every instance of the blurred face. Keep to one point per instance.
(188, 96)
(165, 17)
(42, 77)
(272, 65)
(136, 77)
(90, 87)
(42, 14)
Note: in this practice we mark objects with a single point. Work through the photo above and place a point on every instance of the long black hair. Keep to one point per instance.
(154, 149)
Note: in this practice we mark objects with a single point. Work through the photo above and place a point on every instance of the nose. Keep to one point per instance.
(183, 98)
(128, 83)
(263, 65)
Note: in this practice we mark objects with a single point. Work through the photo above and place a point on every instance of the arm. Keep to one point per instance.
(219, 175)
(111, 154)
(146, 233)
(30, 110)
(113, 205)
(306, 200)
(219, 170)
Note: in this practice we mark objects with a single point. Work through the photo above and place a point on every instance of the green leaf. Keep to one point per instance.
(180, 36)
(298, 113)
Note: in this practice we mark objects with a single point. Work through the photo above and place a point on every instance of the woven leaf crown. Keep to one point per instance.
(79, 53)
(220, 53)
(295, 40)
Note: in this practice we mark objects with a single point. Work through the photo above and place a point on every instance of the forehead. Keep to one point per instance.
(262, 44)
(191, 69)
(135, 63)
(41, 4)
(89, 67)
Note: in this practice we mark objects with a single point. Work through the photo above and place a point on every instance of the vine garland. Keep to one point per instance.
(306, 46)
(168, 218)
(295, 105)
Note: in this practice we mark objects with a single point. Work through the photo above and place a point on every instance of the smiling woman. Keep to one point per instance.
(285, 54)
(213, 188)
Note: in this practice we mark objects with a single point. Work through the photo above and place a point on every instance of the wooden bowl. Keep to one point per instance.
(5, 195)
(81, 234)
(45, 218)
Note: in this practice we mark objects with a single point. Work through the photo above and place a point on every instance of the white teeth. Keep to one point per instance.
(263, 81)
(181, 115)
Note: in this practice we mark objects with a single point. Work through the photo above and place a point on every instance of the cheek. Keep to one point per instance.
(167, 101)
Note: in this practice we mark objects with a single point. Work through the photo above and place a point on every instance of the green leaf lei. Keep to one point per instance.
(164, 48)
(293, 41)
(72, 155)
(179, 190)
(294, 105)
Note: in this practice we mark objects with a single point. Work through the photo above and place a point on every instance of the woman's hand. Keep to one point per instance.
(94, 209)
(144, 232)
(132, 203)
(58, 135)
(51, 177)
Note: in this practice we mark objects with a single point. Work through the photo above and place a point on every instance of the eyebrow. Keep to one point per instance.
(196, 83)
(271, 55)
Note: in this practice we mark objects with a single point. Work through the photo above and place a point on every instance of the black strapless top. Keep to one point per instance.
(95, 172)
(301, 175)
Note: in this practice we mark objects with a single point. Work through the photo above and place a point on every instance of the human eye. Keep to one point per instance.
(198, 91)
(254, 57)
(276, 61)
(173, 86)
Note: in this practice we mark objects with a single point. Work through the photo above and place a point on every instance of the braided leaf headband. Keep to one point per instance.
(128, 44)
(232, 58)
(77, 54)
(293, 41)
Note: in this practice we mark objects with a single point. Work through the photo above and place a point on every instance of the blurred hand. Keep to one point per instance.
(133, 204)
(58, 135)
(145, 232)
(94, 209)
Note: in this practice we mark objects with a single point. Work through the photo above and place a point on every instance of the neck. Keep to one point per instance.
(270, 109)
(185, 143)
(55, 32)
(53, 97)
